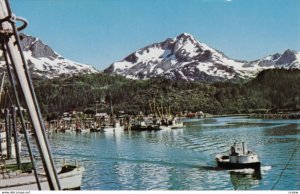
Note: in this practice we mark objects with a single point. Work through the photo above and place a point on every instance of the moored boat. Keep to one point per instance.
(96, 129)
(176, 123)
(143, 126)
(82, 130)
(112, 128)
(171, 123)
(70, 177)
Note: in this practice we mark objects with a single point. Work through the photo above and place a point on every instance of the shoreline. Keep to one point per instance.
(295, 115)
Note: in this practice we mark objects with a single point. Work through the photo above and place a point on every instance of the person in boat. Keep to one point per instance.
(233, 151)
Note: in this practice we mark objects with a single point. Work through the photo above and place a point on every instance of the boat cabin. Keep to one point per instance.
(240, 154)
(238, 149)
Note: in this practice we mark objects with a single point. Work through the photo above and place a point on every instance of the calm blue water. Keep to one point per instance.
(183, 159)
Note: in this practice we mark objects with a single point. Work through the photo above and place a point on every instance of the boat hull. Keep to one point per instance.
(232, 166)
(96, 130)
(113, 129)
(26, 181)
(145, 128)
(163, 127)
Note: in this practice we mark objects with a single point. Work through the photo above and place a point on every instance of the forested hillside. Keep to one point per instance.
(271, 90)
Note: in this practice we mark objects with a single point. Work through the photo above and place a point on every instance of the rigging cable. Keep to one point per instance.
(285, 167)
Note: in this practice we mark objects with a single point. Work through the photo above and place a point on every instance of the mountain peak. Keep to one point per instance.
(185, 58)
(186, 36)
(36, 46)
(289, 52)
(287, 57)
(44, 62)
(182, 57)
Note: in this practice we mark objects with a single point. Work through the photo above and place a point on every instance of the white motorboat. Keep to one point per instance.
(238, 158)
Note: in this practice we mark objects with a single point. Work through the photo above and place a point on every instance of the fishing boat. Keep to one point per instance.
(20, 177)
(112, 128)
(176, 124)
(70, 177)
(82, 130)
(171, 123)
(96, 128)
(238, 158)
(69, 129)
(164, 127)
(145, 125)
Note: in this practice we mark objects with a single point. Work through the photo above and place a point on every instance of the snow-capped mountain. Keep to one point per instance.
(44, 62)
(288, 60)
(185, 58)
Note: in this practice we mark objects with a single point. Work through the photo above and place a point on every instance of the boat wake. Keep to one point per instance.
(212, 168)
(243, 171)
(265, 168)
(250, 170)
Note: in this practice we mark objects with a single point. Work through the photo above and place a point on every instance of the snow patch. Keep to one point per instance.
(150, 54)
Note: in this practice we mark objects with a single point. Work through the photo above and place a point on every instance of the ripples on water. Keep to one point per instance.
(183, 159)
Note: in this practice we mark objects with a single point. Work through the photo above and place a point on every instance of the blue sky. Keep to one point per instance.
(100, 32)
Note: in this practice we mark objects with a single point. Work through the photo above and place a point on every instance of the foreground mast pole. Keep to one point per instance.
(11, 43)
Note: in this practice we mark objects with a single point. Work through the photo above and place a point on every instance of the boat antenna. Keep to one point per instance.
(11, 43)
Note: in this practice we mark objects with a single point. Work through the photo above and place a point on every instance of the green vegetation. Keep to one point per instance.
(272, 90)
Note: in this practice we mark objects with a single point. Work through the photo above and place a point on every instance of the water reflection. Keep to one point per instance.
(245, 180)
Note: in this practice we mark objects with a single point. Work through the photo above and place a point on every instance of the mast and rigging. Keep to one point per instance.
(19, 76)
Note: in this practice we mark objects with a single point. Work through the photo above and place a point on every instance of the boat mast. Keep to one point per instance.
(11, 44)
(154, 107)
(1, 91)
(150, 106)
(16, 140)
(7, 133)
(111, 106)
(243, 148)
(2, 84)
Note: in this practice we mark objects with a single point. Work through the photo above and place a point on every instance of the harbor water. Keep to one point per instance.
(184, 159)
